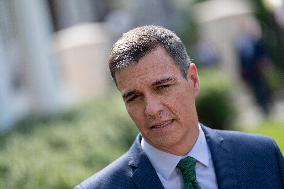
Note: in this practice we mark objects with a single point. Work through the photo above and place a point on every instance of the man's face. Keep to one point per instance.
(161, 101)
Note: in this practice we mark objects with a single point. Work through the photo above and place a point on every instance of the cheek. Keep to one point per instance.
(183, 103)
(136, 115)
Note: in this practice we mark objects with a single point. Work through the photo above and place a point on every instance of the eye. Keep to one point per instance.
(132, 98)
(163, 86)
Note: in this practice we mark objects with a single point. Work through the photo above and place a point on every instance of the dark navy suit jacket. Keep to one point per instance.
(241, 161)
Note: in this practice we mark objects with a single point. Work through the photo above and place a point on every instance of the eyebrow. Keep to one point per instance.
(164, 80)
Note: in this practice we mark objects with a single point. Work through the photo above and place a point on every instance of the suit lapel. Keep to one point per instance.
(223, 159)
(143, 175)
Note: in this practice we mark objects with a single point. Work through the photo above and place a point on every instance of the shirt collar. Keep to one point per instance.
(200, 150)
(165, 163)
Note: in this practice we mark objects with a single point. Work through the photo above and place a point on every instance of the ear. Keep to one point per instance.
(192, 77)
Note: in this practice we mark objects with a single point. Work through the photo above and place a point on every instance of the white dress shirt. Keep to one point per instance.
(165, 164)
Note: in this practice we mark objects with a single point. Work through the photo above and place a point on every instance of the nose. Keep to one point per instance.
(153, 108)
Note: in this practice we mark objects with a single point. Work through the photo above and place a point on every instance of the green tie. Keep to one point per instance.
(187, 169)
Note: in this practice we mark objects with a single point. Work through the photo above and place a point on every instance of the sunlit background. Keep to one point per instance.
(61, 118)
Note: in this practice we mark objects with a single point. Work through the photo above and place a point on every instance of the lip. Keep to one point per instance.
(162, 125)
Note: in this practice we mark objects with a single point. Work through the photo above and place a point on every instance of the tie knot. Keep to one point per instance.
(187, 163)
(187, 169)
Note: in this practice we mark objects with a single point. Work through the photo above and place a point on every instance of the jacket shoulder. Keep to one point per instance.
(256, 153)
(242, 143)
(116, 175)
(250, 139)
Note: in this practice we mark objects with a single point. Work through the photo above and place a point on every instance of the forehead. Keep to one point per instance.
(154, 66)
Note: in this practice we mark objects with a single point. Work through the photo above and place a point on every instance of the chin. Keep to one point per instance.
(165, 143)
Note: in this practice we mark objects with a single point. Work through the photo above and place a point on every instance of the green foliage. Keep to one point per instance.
(214, 104)
(199, 1)
(271, 128)
(60, 152)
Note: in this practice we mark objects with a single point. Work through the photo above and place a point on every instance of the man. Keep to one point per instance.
(159, 84)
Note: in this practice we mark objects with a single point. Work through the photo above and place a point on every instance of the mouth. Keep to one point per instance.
(162, 125)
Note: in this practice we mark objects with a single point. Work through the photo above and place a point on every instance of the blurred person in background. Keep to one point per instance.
(254, 64)
(159, 85)
(207, 54)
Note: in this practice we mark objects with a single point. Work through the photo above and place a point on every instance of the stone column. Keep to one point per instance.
(35, 35)
(6, 116)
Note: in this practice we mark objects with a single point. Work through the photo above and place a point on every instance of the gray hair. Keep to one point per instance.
(140, 41)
